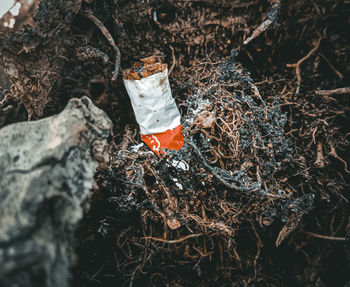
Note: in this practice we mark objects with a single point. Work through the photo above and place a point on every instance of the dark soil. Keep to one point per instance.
(264, 201)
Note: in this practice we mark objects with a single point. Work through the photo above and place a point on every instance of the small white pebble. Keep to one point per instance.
(179, 185)
(181, 164)
(155, 16)
(135, 148)
(12, 23)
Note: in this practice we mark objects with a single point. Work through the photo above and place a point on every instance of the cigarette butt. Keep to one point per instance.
(154, 107)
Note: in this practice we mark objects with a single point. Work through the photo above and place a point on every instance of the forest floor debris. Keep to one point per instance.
(269, 152)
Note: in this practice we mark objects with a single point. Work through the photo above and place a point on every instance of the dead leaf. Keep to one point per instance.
(173, 223)
(205, 119)
(291, 224)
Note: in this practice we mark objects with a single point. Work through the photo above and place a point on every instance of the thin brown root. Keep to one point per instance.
(174, 60)
(87, 13)
(340, 75)
(340, 91)
(175, 240)
(325, 236)
(319, 156)
(335, 155)
(297, 64)
(263, 26)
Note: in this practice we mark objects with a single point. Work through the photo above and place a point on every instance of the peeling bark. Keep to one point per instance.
(46, 172)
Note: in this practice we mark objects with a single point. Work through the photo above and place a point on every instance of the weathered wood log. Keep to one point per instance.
(46, 172)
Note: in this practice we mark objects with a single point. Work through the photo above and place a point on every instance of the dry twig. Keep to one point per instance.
(340, 75)
(271, 17)
(326, 236)
(339, 91)
(319, 156)
(109, 38)
(174, 60)
(175, 240)
(297, 64)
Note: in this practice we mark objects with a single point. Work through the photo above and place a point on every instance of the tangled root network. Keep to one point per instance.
(231, 172)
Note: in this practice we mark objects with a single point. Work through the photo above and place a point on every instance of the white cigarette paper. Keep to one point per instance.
(154, 107)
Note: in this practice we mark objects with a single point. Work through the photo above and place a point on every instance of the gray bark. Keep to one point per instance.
(46, 172)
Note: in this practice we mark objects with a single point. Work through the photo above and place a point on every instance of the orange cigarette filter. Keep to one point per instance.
(171, 139)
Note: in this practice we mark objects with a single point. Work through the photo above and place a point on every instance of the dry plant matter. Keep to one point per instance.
(266, 160)
(192, 203)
